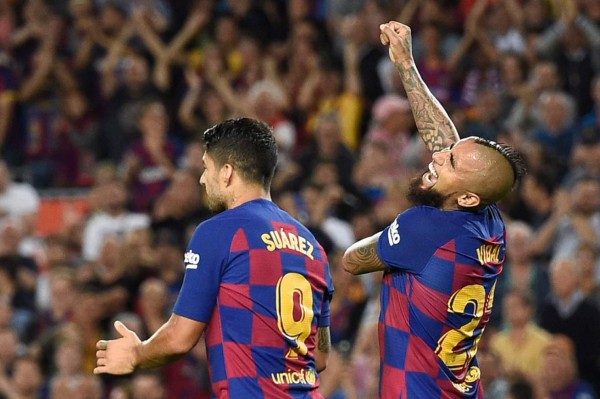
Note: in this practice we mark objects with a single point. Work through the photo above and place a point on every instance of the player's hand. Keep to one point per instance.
(398, 37)
(117, 356)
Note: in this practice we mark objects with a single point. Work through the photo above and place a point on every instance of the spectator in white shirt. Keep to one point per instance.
(17, 199)
(113, 220)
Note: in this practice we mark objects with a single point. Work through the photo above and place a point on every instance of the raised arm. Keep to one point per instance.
(434, 124)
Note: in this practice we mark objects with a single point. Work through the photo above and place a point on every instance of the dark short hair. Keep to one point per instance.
(247, 144)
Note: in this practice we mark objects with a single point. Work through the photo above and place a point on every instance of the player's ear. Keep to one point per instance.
(226, 173)
(468, 200)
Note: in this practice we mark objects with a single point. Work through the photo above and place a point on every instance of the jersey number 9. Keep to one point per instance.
(295, 311)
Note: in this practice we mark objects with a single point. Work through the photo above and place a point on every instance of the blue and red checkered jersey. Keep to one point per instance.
(262, 283)
(436, 299)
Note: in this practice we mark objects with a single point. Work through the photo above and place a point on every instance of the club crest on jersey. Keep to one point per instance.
(191, 260)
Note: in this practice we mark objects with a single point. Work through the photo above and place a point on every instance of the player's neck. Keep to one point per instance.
(246, 194)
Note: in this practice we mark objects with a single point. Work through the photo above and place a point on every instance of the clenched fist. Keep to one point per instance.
(398, 37)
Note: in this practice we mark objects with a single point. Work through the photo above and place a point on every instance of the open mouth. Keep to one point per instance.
(430, 177)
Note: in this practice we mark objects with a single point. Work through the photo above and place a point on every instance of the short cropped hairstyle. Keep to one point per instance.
(248, 145)
(510, 154)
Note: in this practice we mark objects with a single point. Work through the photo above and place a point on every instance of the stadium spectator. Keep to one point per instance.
(150, 162)
(148, 385)
(587, 258)
(575, 220)
(77, 139)
(492, 375)
(544, 77)
(18, 276)
(19, 200)
(538, 198)
(572, 42)
(555, 116)
(568, 312)
(392, 129)
(26, 380)
(327, 145)
(113, 220)
(201, 107)
(61, 299)
(181, 204)
(513, 72)
(8, 91)
(115, 277)
(334, 86)
(433, 62)
(126, 84)
(560, 377)
(592, 118)
(522, 272)
(10, 350)
(521, 344)
(584, 156)
(68, 360)
(86, 386)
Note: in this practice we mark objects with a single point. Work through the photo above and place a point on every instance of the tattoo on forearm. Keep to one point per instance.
(434, 124)
(365, 259)
(323, 340)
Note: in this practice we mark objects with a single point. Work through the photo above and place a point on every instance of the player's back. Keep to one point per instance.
(274, 292)
(437, 300)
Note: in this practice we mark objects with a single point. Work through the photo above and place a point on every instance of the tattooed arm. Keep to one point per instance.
(361, 257)
(323, 348)
(434, 124)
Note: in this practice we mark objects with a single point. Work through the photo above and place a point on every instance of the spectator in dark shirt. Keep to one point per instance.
(568, 312)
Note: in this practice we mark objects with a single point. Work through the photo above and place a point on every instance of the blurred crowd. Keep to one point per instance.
(110, 97)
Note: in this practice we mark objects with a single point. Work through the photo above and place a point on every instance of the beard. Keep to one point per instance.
(216, 203)
(419, 196)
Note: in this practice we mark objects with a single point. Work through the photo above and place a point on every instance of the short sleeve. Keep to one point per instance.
(411, 240)
(204, 260)
(324, 320)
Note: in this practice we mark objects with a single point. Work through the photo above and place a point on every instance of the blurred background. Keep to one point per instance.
(102, 108)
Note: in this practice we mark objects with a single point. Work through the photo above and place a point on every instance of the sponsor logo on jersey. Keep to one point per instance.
(393, 235)
(304, 376)
(191, 260)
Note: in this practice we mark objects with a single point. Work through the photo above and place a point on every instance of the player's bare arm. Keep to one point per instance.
(125, 354)
(434, 124)
(323, 348)
(361, 257)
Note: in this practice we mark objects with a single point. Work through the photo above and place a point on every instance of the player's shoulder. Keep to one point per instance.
(254, 215)
(436, 213)
(216, 228)
(423, 216)
(434, 220)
